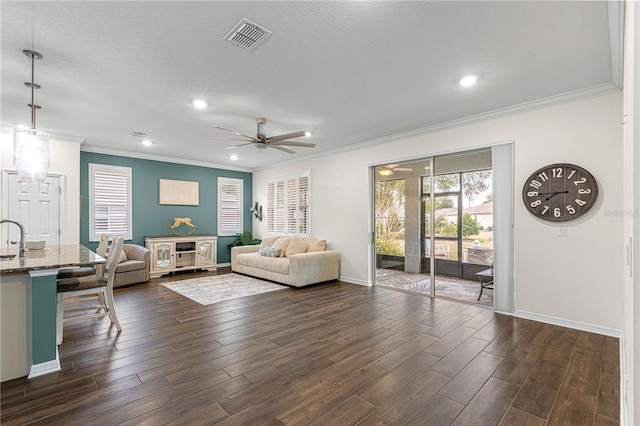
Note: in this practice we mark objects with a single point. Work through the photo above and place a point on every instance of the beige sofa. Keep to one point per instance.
(293, 261)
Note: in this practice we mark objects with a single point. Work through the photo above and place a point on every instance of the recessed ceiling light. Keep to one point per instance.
(147, 142)
(234, 157)
(307, 133)
(200, 104)
(468, 80)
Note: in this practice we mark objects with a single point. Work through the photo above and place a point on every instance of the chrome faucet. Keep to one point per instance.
(23, 243)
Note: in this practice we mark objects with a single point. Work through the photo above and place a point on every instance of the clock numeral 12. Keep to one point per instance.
(557, 172)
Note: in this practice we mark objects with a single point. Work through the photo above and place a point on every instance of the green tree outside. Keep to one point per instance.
(470, 226)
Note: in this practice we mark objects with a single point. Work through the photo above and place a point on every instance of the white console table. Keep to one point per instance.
(181, 253)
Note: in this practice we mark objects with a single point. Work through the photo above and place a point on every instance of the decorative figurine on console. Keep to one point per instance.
(179, 221)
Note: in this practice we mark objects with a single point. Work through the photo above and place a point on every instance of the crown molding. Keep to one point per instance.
(142, 156)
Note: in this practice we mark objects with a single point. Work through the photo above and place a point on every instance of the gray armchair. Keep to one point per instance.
(134, 265)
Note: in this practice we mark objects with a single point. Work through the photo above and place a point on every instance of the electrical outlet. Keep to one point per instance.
(562, 231)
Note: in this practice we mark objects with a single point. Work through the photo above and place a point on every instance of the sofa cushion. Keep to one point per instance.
(282, 243)
(267, 242)
(296, 246)
(130, 265)
(255, 260)
(279, 265)
(271, 252)
(315, 245)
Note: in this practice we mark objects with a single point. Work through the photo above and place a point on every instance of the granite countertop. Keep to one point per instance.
(50, 258)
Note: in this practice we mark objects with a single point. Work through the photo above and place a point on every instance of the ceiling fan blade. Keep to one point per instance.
(234, 132)
(291, 143)
(281, 148)
(242, 144)
(225, 139)
(287, 136)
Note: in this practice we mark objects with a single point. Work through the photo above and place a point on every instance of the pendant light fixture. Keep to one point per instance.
(31, 146)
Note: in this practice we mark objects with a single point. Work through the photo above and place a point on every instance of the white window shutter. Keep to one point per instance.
(303, 205)
(270, 218)
(230, 206)
(110, 201)
(288, 205)
(280, 206)
(292, 206)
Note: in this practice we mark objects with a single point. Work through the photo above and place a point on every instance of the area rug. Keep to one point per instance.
(218, 288)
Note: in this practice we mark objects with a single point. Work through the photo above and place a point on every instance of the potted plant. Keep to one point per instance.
(244, 239)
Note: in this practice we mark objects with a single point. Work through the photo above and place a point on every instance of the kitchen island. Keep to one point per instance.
(28, 307)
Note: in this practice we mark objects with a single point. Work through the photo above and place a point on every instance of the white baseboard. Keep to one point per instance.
(624, 383)
(354, 281)
(45, 367)
(563, 322)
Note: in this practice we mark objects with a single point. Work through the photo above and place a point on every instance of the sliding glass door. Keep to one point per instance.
(434, 224)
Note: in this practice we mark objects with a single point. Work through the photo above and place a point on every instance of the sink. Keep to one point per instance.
(7, 256)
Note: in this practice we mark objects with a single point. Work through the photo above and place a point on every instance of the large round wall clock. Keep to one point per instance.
(560, 192)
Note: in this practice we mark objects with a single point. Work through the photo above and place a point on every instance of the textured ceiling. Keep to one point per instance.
(350, 72)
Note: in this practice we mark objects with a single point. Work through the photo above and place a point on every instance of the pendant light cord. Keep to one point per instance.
(33, 55)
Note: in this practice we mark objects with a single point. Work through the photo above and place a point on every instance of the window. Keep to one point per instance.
(288, 209)
(109, 201)
(230, 206)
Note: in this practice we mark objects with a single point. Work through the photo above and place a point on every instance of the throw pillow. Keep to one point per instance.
(316, 245)
(282, 243)
(296, 246)
(267, 242)
(122, 258)
(271, 252)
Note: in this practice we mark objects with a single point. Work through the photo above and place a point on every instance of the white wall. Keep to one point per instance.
(576, 280)
(65, 160)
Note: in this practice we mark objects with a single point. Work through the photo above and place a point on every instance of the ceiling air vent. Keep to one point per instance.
(247, 34)
(138, 135)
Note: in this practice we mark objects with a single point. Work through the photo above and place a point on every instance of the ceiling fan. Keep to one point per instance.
(262, 141)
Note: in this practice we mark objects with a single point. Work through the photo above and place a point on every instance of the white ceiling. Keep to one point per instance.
(351, 72)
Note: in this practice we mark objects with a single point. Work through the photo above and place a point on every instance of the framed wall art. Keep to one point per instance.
(179, 192)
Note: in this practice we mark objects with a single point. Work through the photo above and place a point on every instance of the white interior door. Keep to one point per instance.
(36, 206)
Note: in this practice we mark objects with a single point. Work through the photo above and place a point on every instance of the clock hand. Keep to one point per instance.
(553, 194)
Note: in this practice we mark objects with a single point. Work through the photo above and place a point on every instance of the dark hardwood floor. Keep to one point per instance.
(333, 354)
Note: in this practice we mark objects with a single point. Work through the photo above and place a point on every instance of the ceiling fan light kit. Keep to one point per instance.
(262, 141)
